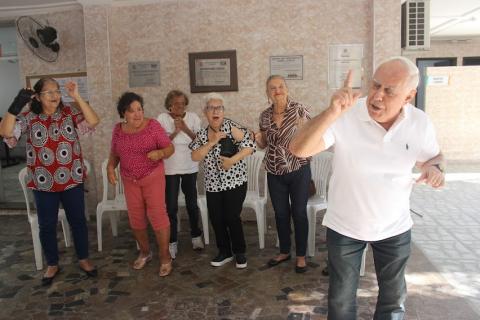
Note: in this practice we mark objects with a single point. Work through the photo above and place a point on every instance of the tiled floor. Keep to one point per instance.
(443, 275)
(195, 290)
(11, 185)
(448, 232)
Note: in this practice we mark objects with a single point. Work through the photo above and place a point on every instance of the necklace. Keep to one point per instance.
(279, 113)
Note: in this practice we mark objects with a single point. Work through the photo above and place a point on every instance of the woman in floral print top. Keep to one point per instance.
(54, 161)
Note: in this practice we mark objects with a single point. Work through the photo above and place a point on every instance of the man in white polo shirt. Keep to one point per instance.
(377, 141)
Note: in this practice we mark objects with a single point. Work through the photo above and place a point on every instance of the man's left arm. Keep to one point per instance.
(432, 171)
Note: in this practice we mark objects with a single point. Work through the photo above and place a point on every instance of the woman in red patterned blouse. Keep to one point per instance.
(139, 144)
(288, 176)
(54, 163)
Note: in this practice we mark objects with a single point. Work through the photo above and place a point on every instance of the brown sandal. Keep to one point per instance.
(165, 269)
(140, 262)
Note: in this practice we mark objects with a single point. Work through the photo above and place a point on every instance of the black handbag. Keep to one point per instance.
(228, 147)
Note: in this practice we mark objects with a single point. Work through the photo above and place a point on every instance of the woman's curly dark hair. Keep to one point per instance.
(36, 105)
(126, 100)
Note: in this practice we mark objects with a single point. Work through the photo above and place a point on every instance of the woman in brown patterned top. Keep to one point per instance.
(288, 176)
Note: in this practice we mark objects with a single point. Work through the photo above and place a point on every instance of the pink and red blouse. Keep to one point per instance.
(132, 149)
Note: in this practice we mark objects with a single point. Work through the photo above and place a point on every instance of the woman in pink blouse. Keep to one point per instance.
(139, 144)
(55, 169)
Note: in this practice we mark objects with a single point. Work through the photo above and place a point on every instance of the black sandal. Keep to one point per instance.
(273, 262)
(46, 281)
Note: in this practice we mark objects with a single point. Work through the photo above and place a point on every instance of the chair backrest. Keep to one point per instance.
(254, 165)
(119, 192)
(22, 177)
(88, 167)
(321, 166)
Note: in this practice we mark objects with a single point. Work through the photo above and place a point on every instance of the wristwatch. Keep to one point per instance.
(439, 167)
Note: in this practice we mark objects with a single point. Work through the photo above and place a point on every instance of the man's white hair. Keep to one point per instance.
(413, 73)
(213, 96)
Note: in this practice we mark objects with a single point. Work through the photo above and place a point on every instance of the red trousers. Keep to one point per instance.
(146, 200)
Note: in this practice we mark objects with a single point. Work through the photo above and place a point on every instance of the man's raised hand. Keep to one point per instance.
(344, 97)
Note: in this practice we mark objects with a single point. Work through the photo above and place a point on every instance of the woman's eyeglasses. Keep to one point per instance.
(51, 93)
(215, 108)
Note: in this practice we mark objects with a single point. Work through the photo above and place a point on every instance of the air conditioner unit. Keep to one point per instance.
(416, 25)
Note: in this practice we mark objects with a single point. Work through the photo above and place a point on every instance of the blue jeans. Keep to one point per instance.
(289, 195)
(73, 202)
(189, 189)
(344, 258)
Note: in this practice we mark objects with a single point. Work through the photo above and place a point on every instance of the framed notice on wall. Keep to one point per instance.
(144, 74)
(289, 67)
(341, 58)
(213, 71)
(79, 77)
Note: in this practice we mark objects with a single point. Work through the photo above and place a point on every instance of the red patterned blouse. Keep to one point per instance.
(54, 156)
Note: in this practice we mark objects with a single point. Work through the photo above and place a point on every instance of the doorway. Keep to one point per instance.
(422, 64)
(12, 160)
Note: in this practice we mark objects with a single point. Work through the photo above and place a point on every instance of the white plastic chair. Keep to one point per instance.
(88, 171)
(321, 166)
(253, 199)
(110, 205)
(202, 206)
(33, 219)
(362, 265)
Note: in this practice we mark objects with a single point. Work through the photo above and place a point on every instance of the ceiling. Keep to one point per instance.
(449, 19)
(454, 19)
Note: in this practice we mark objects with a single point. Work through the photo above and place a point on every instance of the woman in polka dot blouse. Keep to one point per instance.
(222, 146)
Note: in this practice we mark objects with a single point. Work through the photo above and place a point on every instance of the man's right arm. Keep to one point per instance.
(309, 138)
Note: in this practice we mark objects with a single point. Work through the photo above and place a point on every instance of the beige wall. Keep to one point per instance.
(103, 39)
(455, 111)
(167, 32)
(454, 108)
(71, 34)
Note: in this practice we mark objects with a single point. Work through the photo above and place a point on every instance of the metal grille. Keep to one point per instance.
(416, 24)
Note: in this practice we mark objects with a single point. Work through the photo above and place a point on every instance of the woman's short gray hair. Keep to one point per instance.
(213, 96)
(413, 73)
(275, 76)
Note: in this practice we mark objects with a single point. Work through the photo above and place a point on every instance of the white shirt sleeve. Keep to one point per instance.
(329, 138)
(430, 147)
(164, 122)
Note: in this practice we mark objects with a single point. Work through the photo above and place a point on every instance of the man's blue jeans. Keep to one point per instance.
(344, 258)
